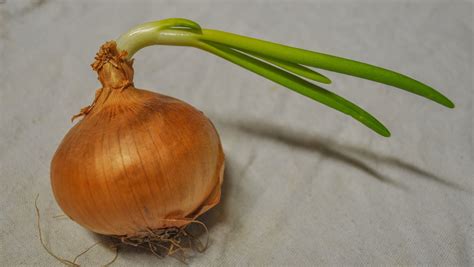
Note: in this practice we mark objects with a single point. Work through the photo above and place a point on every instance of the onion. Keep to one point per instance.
(140, 161)
(137, 160)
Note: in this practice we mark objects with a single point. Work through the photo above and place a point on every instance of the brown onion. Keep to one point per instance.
(137, 160)
(140, 161)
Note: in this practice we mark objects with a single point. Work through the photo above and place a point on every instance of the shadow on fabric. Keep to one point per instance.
(350, 155)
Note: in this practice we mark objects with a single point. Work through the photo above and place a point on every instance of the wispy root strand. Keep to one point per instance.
(60, 259)
(177, 242)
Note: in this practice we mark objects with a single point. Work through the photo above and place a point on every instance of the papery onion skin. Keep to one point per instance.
(138, 160)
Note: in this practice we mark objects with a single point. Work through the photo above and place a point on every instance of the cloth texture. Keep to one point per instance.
(304, 185)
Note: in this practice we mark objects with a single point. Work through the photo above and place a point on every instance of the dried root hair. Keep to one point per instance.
(177, 242)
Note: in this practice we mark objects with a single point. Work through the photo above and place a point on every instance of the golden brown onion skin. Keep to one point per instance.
(138, 160)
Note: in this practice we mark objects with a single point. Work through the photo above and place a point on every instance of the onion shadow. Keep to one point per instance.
(347, 154)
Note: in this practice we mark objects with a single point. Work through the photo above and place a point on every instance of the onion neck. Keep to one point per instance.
(115, 71)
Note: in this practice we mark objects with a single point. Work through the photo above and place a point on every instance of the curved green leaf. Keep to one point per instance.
(324, 61)
(297, 84)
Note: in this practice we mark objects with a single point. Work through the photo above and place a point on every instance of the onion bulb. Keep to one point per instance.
(140, 161)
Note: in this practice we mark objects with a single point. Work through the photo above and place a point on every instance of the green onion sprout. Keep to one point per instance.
(285, 65)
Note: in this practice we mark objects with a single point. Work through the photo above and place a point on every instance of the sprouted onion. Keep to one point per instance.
(140, 161)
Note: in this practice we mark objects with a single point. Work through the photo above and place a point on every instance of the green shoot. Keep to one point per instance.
(327, 62)
(279, 63)
(297, 84)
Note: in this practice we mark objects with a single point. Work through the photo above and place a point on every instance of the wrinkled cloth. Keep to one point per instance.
(304, 184)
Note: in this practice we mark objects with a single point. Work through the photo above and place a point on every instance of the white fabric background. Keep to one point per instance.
(304, 185)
